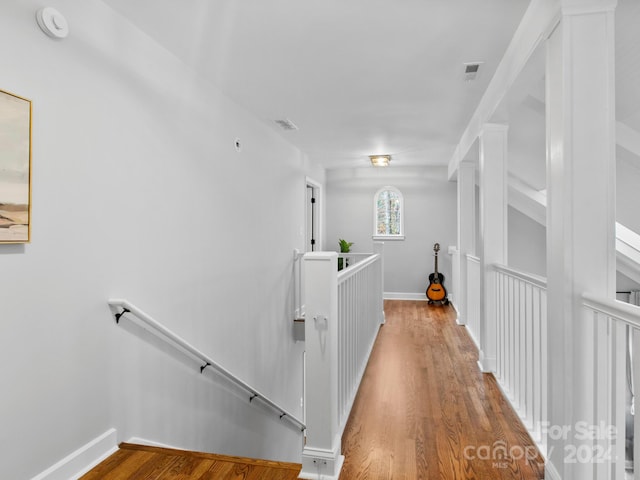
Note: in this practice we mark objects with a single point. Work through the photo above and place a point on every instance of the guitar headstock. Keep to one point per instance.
(436, 247)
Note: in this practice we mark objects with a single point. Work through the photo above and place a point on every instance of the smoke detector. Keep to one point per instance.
(471, 71)
(52, 22)
(286, 124)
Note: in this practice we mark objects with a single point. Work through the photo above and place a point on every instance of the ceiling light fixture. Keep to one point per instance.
(380, 160)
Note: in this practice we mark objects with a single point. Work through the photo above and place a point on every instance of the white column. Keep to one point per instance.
(321, 456)
(493, 233)
(466, 233)
(580, 99)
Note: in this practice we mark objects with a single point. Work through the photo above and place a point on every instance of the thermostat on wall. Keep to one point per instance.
(52, 22)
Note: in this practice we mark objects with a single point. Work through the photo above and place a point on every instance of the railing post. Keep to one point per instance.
(493, 238)
(466, 235)
(581, 212)
(473, 298)
(321, 456)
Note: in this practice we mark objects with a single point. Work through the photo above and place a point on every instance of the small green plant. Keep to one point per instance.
(345, 247)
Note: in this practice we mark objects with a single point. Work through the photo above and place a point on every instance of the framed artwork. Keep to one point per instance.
(15, 168)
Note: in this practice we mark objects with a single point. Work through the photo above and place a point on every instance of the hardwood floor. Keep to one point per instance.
(137, 462)
(424, 411)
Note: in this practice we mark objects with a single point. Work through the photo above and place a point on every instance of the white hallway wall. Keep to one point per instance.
(527, 243)
(138, 192)
(430, 217)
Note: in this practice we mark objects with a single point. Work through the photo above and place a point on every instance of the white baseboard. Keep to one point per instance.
(459, 320)
(321, 464)
(404, 296)
(151, 443)
(82, 460)
(472, 336)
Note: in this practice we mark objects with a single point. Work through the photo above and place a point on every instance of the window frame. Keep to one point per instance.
(376, 235)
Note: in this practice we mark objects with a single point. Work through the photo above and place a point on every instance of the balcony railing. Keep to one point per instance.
(359, 318)
(521, 366)
(612, 325)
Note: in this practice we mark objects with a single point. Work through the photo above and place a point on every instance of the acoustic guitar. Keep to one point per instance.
(436, 291)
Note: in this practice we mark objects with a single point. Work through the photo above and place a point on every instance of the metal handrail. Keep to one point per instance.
(206, 361)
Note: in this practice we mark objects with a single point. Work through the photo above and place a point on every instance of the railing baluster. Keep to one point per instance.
(604, 382)
(536, 364)
(522, 349)
(619, 345)
(501, 327)
(513, 338)
(543, 366)
(528, 362)
(499, 319)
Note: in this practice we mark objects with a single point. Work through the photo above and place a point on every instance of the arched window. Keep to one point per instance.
(388, 214)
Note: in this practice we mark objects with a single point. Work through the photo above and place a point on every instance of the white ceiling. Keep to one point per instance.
(357, 77)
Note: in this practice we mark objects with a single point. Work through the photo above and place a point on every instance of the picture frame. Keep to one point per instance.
(15, 168)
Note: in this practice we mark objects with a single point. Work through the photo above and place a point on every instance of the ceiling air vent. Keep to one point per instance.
(471, 71)
(287, 124)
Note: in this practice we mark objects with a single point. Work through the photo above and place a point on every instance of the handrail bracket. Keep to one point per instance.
(118, 315)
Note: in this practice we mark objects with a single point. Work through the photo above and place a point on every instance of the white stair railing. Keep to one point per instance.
(360, 313)
(610, 324)
(344, 311)
(521, 366)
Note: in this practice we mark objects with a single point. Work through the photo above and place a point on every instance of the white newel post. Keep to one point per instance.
(321, 456)
(466, 234)
(580, 99)
(493, 233)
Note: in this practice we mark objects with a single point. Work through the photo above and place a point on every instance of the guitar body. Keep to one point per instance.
(436, 291)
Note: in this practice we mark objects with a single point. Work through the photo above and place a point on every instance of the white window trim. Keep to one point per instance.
(388, 237)
(377, 236)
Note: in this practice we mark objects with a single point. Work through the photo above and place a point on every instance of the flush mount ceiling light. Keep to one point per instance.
(380, 160)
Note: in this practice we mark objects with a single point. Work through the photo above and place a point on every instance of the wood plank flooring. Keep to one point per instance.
(424, 411)
(137, 462)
